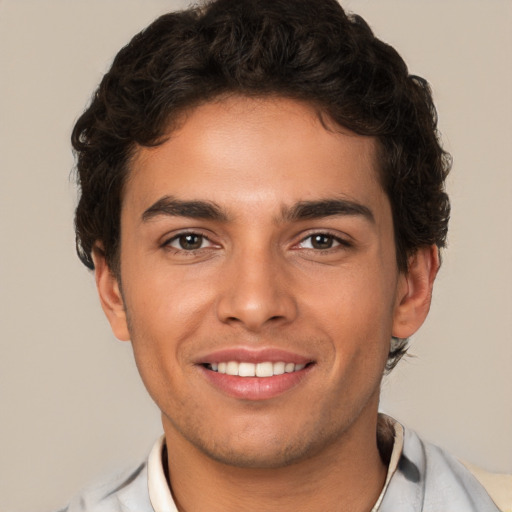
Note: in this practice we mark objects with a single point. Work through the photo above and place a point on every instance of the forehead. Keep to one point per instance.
(243, 152)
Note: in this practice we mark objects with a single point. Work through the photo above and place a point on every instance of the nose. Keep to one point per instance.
(257, 292)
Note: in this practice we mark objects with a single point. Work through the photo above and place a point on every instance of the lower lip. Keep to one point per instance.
(255, 388)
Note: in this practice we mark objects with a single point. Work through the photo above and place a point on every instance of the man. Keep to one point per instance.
(262, 201)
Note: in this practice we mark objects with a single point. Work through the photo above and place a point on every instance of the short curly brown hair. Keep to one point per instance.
(308, 50)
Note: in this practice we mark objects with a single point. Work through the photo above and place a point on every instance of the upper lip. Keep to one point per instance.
(247, 355)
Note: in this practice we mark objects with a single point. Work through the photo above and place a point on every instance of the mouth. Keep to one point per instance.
(264, 369)
(255, 375)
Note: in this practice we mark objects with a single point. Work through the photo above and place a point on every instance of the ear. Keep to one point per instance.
(415, 291)
(110, 295)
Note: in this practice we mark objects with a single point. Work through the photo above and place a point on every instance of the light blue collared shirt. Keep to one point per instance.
(421, 478)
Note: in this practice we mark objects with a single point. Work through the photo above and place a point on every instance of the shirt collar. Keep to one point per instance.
(398, 446)
(159, 492)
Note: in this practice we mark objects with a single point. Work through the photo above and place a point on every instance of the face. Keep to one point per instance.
(259, 281)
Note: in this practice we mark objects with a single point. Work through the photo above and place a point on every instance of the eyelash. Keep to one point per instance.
(167, 244)
(332, 238)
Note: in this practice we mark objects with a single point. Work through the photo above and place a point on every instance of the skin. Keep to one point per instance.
(257, 281)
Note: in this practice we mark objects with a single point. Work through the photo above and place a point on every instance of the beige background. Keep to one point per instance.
(72, 406)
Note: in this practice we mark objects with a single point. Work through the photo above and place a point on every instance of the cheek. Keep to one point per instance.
(161, 330)
(356, 318)
(358, 299)
(160, 325)
(166, 312)
(167, 300)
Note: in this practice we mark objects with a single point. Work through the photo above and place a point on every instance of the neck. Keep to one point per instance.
(347, 474)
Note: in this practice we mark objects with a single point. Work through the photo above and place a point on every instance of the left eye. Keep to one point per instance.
(319, 241)
(189, 242)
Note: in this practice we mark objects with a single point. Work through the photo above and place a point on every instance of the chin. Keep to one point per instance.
(266, 448)
(257, 457)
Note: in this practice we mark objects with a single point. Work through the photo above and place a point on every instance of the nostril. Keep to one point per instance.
(254, 308)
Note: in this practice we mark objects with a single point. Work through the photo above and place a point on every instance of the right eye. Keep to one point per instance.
(189, 242)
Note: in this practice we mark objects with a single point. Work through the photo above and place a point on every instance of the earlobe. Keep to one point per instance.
(110, 295)
(415, 291)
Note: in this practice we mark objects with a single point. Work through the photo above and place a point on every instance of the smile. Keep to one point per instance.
(253, 374)
(247, 369)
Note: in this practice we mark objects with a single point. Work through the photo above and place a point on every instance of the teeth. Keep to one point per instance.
(266, 369)
(232, 368)
(247, 370)
(279, 368)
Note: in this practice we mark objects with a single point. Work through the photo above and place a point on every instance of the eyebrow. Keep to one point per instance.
(305, 210)
(171, 206)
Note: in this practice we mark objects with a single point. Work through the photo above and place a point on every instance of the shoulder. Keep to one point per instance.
(130, 491)
(428, 479)
(126, 491)
(499, 486)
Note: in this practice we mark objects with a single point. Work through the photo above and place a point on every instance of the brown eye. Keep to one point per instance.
(322, 241)
(190, 241)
